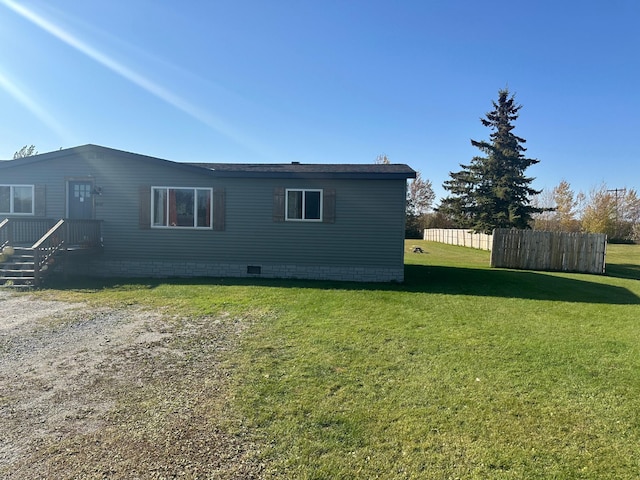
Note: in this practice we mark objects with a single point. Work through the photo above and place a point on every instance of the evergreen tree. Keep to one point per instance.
(493, 191)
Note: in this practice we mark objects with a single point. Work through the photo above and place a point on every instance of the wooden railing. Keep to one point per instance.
(46, 248)
(83, 233)
(3, 233)
(46, 237)
(23, 231)
(29, 231)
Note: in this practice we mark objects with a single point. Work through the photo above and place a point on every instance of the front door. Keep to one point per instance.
(80, 199)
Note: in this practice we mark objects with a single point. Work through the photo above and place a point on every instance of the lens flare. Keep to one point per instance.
(128, 73)
(33, 106)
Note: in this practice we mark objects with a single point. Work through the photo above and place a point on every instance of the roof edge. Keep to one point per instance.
(372, 171)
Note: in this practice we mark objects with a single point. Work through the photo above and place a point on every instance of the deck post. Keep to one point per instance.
(9, 226)
(36, 267)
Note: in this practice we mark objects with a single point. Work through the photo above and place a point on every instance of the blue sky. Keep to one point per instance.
(332, 81)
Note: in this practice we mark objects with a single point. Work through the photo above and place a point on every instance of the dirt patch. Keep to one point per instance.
(116, 393)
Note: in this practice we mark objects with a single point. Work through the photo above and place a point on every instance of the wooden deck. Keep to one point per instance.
(30, 248)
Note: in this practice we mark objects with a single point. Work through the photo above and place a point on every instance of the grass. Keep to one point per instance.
(624, 261)
(465, 372)
(462, 372)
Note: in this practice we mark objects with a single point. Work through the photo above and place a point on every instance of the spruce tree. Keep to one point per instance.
(492, 191)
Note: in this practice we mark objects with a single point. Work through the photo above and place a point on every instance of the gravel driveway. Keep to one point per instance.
(63, 369)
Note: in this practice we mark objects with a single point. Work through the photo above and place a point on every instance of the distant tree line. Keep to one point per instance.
(613, 211)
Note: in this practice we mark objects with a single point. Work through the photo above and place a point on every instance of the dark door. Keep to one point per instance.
(80, 199)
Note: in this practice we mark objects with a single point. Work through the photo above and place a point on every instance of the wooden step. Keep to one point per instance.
(17, 267)
(19, 282)
(18, 271)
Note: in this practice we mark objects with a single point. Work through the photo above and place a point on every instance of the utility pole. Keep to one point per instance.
(616, 190)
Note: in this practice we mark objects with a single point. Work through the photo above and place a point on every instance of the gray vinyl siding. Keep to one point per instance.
(368, 230)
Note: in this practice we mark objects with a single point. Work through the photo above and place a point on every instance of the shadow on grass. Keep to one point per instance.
(621, 270)
(514, 284)
(419, 279)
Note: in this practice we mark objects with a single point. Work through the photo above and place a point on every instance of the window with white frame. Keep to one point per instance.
(16, 199)
(181, 207)
(303, 205)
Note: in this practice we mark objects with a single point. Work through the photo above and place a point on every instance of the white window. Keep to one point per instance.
(180, 207)
(16, 199)
(303, 205)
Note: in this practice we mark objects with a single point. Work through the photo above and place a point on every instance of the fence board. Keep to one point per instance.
(460, 237)
(532, 249)
(558, 251)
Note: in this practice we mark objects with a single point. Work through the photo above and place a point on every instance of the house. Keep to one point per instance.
(111, 213)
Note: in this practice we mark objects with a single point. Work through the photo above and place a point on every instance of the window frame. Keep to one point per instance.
(303, 206)
(194, 191)
(12, 188)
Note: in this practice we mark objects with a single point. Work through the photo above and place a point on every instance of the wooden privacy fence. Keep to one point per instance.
(459, 236)
(560, 251)
(532, 249)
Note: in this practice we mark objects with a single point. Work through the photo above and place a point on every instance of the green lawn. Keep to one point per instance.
(462, 372)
